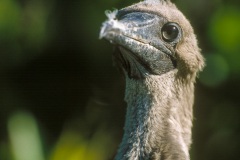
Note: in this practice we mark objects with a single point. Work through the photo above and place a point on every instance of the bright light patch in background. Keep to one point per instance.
(73, 146)
(216, 71)
(24, 137)
(224, 31)
(10, 18)
(225, 28)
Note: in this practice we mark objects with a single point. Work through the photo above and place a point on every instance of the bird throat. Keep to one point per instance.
(152, 126)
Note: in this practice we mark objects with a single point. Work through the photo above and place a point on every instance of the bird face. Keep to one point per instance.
(146, 38)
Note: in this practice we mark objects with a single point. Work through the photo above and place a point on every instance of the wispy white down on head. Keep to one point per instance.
(112, 22)
(111, 14)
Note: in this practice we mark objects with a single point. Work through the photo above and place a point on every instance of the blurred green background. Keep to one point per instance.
(62, 99)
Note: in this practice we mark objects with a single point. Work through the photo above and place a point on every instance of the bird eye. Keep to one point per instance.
(170, 31)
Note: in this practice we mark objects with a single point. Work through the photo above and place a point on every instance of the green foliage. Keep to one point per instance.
(72, 146)
(224, 31)
(10, 19)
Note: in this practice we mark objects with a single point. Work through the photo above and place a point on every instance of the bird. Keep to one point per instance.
(158, 53)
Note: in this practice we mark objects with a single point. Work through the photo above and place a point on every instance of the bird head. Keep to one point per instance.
(153, 37)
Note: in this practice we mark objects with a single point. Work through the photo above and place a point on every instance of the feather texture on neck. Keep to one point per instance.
(157, 110)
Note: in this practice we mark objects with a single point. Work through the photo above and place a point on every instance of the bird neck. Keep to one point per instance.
(159, 118)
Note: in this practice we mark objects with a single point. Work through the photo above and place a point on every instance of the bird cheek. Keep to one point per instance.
(188, 59)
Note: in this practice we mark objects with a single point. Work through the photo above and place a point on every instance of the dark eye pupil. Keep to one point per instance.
(170, 32)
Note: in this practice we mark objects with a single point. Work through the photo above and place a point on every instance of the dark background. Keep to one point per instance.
(62, 99)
